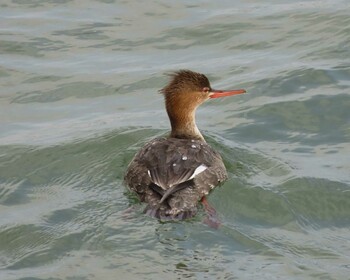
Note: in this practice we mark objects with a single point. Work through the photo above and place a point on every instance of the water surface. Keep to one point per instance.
(78, 97)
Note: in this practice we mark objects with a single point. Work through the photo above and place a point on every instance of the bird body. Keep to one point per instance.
(173, 174)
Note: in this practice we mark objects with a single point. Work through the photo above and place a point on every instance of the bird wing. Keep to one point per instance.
(170, 163)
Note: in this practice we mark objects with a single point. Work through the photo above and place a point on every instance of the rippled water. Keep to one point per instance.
(78, 97)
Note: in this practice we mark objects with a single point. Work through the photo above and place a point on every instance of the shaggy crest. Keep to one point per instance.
(185, 80)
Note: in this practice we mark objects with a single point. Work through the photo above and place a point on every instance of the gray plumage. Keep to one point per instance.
(166, 163)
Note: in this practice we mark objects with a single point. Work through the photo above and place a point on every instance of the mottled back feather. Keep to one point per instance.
(161, 171)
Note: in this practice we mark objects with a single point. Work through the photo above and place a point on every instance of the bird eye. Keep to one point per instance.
(205, 90)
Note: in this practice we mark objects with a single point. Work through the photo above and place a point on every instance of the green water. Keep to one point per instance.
(78, 98)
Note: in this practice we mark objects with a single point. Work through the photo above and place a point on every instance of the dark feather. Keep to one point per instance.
(160, 174)
(175, 188)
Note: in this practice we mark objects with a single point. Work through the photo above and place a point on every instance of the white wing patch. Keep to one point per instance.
(198, 170)
(170, 184)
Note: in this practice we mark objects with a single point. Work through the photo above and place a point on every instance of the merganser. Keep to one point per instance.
(173, 174)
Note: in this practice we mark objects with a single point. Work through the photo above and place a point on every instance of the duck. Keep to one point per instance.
(175, 173)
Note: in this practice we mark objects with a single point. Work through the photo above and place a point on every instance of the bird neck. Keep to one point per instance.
(183, 123)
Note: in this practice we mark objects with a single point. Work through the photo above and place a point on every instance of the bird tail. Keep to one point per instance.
(165, 213)
(159, 207)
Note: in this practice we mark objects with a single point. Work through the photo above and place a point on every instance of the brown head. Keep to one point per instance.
(183, 94)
